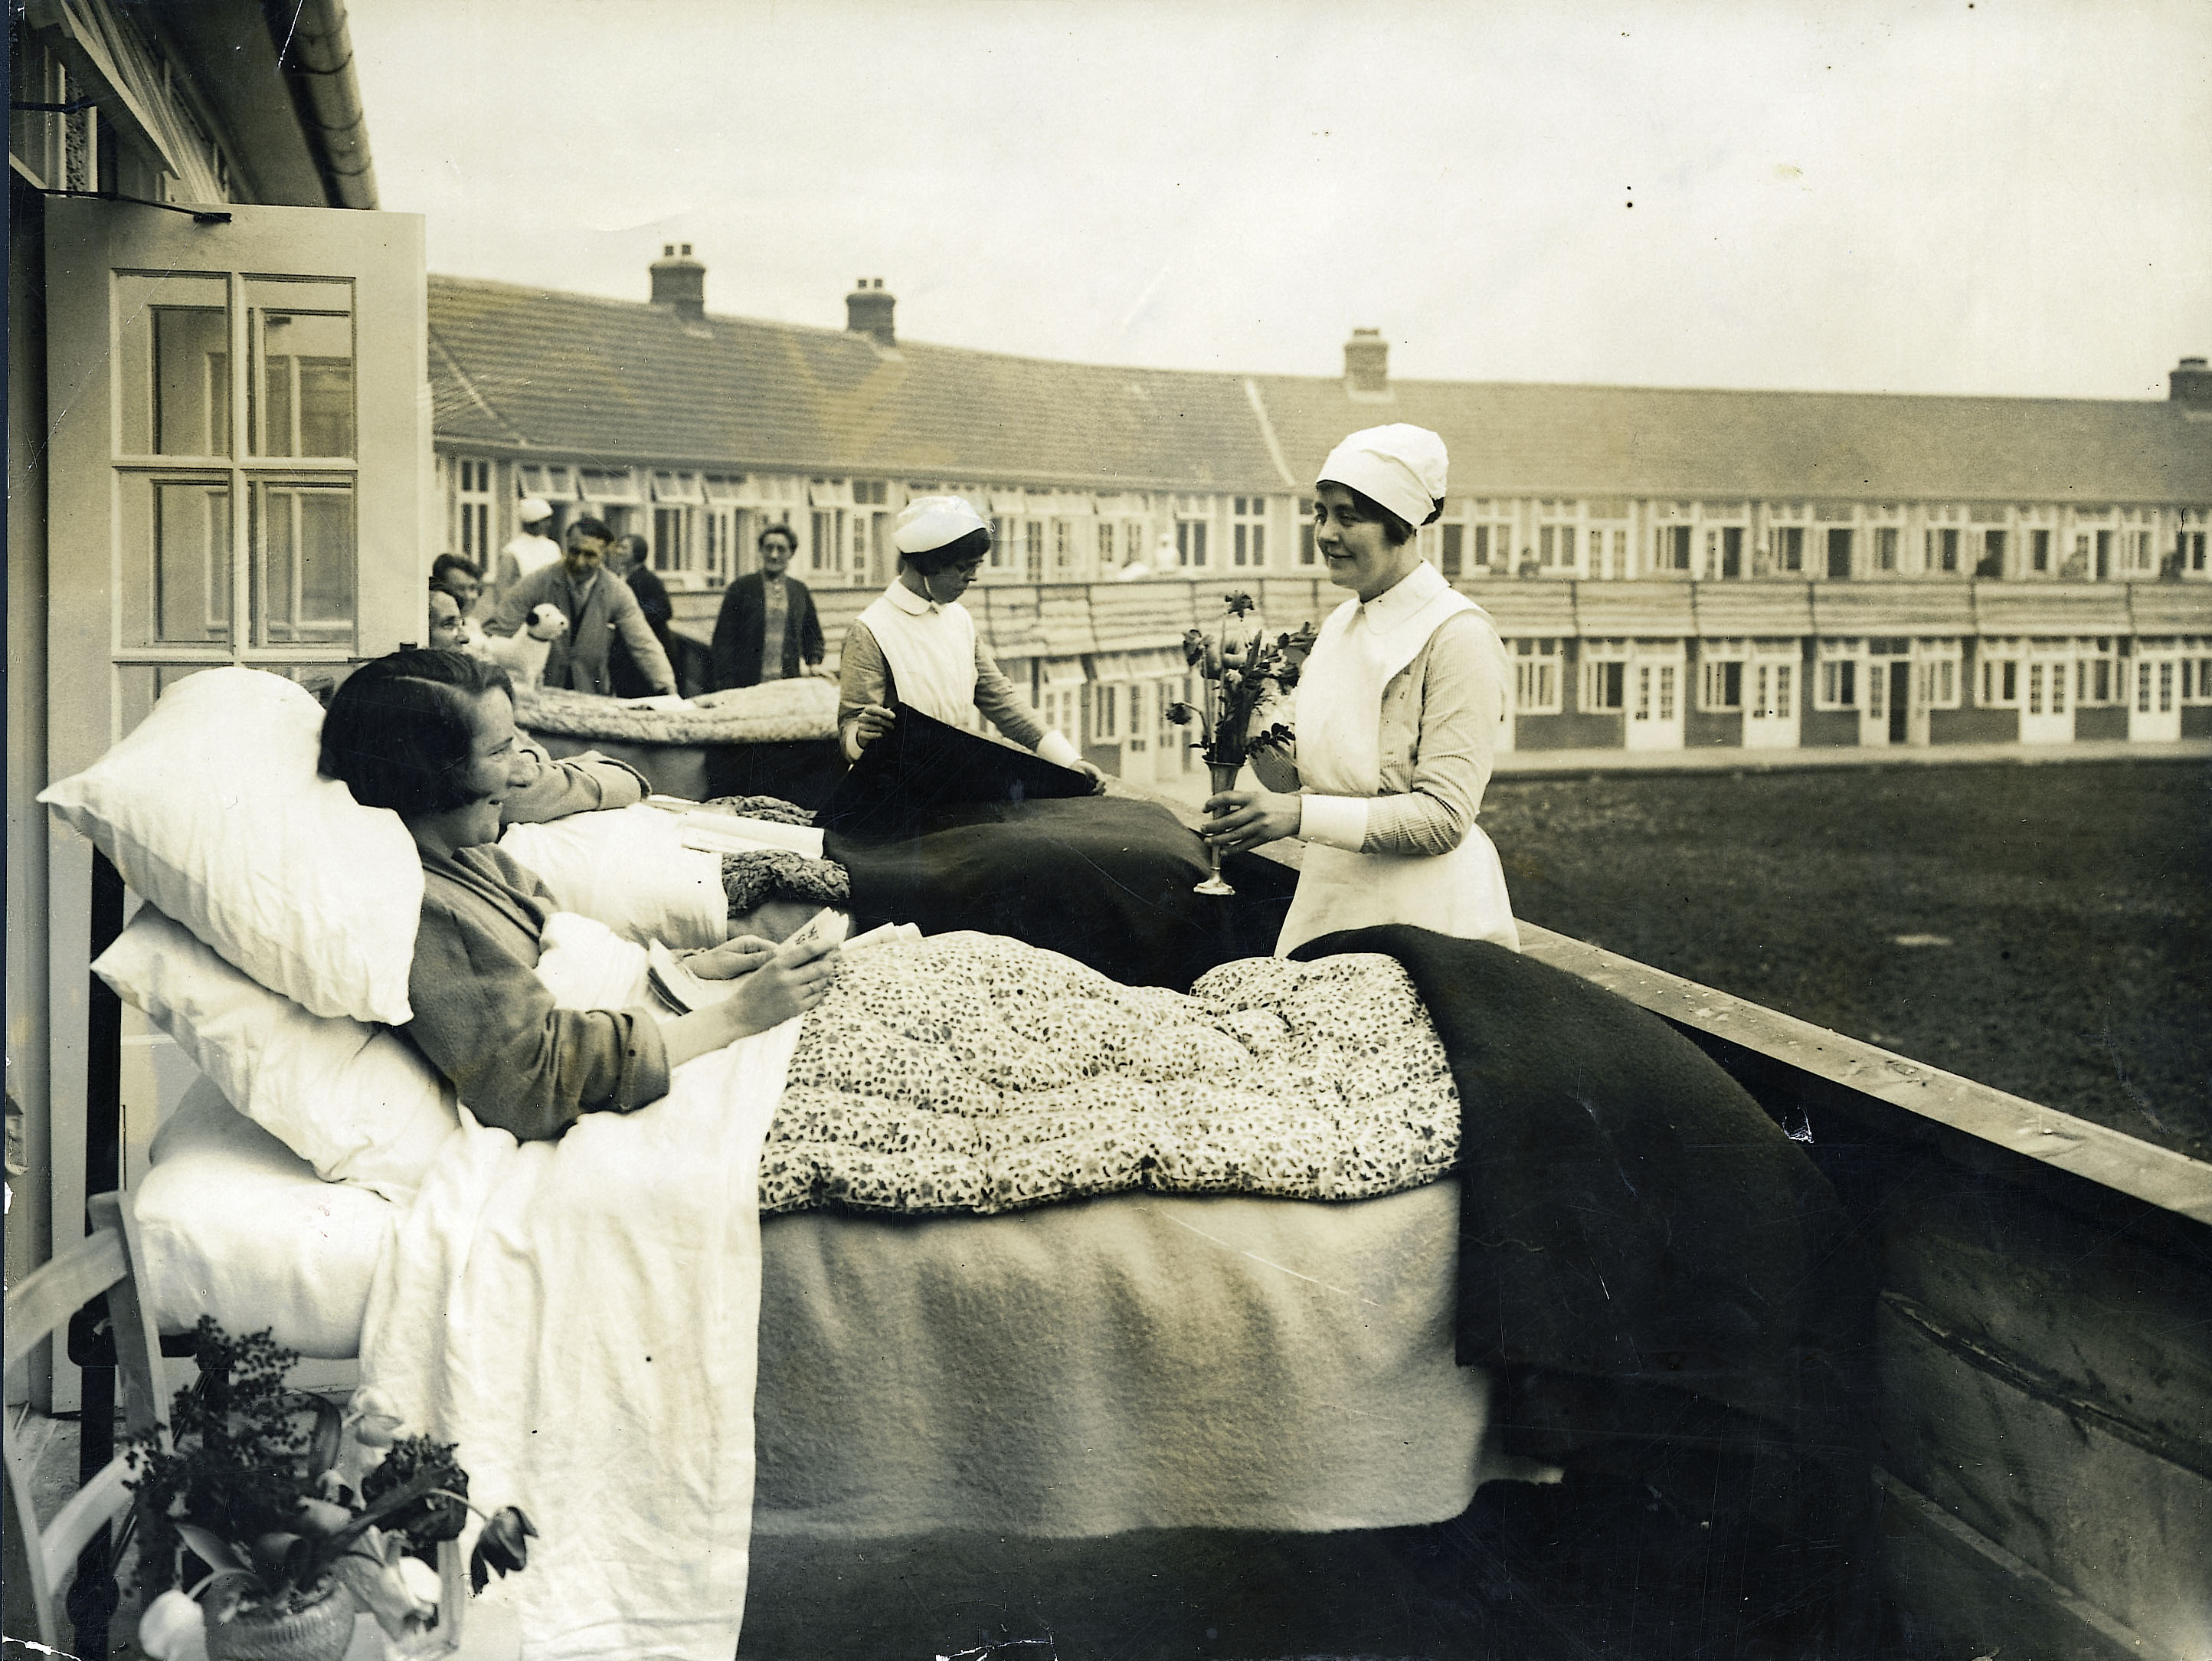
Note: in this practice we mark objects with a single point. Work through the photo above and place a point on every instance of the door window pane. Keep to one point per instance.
(175, 580)
(303, 565)
(303, 378)
(173, 337)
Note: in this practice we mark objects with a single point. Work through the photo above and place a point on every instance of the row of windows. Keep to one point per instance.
(699, 523)
(1759, 679)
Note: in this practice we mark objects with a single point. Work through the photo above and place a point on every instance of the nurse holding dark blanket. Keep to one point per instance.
(1396, 717)
(918, 645)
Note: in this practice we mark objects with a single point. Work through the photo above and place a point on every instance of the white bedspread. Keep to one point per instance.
(582, 1317)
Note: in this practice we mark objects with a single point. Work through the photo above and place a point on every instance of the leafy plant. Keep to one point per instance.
(1241, 673)
(249, 1499)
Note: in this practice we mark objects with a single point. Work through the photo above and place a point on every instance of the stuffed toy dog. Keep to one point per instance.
(523, 655)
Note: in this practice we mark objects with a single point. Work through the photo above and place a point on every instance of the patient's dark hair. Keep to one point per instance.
(976, 544)
(400, 731)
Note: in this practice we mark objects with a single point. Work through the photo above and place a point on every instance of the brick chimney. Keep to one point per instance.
(1367, 365)
(679, 282)
(2190, 384)
(868, 310)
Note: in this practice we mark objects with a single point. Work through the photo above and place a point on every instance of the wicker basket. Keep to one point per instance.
(322, 1631)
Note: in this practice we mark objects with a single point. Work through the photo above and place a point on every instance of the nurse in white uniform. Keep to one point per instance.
(1396, 717)
(918, 644)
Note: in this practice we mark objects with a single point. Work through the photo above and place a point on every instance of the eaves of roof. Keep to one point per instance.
(530, 370)
(573, 375)
(1519, 438)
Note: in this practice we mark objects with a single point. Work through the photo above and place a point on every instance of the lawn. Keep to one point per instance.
(2044, 929)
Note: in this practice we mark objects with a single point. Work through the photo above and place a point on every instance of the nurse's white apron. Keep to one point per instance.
(1339, 728)
(932, 654)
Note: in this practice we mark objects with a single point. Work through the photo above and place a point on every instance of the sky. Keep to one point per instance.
(1962, 195)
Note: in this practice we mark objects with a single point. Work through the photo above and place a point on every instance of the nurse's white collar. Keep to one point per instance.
(914, 605)
(1398, 603)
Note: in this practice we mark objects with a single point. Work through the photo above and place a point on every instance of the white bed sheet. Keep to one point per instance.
(1141, 1361)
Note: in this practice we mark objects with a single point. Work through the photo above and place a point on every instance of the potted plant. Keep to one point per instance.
(249, 1529)
(1239, 674)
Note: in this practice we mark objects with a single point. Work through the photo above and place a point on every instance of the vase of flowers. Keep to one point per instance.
(1239, 673)
(250, 1533)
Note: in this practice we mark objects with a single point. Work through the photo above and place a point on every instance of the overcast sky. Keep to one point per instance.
(1989, 198)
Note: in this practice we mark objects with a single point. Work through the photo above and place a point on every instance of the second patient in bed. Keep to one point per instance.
(431, 736)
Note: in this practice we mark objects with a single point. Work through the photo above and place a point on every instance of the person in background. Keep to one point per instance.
(530, 549)
(598, 607)
(918, 644)
(763, 607)
(1396, 715)
(464, 580)
(628, 562)
(445, 622)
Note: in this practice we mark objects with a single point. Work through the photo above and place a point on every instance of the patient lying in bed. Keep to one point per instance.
(431, 737)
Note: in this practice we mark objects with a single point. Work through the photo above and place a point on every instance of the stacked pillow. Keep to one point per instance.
(212, 810)
(280, 923)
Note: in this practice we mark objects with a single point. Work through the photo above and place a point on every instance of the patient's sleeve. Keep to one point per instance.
(574, 784)
(485, 1019)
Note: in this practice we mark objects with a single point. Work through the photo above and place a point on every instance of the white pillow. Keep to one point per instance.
(212, 809)
(357, 1101)
(629, 868)
(235, 1226)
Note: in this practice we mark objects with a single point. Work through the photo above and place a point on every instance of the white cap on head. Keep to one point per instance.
(532, 509)
(928, 522)
(1401, 466)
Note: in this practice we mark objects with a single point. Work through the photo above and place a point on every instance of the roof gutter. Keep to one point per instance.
(316, 54)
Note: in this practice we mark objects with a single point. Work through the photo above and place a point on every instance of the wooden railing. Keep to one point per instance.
(2044, 1328)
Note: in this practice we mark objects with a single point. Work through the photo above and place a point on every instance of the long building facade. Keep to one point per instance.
(1669, 568)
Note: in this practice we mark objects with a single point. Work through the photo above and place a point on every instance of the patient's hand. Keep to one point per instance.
(732, 959)
(778, 982)
(789, 981)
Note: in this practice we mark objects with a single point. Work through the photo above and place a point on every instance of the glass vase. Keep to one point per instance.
(1225, 778)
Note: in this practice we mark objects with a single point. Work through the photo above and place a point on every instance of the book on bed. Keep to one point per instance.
(923, 763)
(682, 991)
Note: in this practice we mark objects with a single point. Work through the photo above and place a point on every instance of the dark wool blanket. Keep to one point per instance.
(1665, 1284)
(1105, 880)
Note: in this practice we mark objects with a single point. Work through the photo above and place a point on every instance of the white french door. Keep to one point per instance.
(1771, 696)
(2154, 698)
(238, 472)
(2046, 703)
(1654, 702)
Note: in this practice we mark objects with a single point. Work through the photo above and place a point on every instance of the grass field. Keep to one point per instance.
(2047, 930)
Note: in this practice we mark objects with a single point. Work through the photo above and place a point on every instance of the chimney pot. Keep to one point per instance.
(868, 310)
(679, 282)
(2191, 383)
(1367, 364)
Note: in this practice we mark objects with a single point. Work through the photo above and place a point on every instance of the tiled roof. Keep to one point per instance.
(579, 377)
(1510, 439)
(574, 375)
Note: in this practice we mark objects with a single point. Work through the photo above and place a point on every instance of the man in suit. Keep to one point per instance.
(767, 606)
(629, 562)
(598, 606)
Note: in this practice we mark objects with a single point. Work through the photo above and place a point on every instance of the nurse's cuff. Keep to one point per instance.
(1333, 821)
(1055, 748)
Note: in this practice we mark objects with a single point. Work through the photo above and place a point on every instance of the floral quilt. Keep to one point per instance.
(972, 1073)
